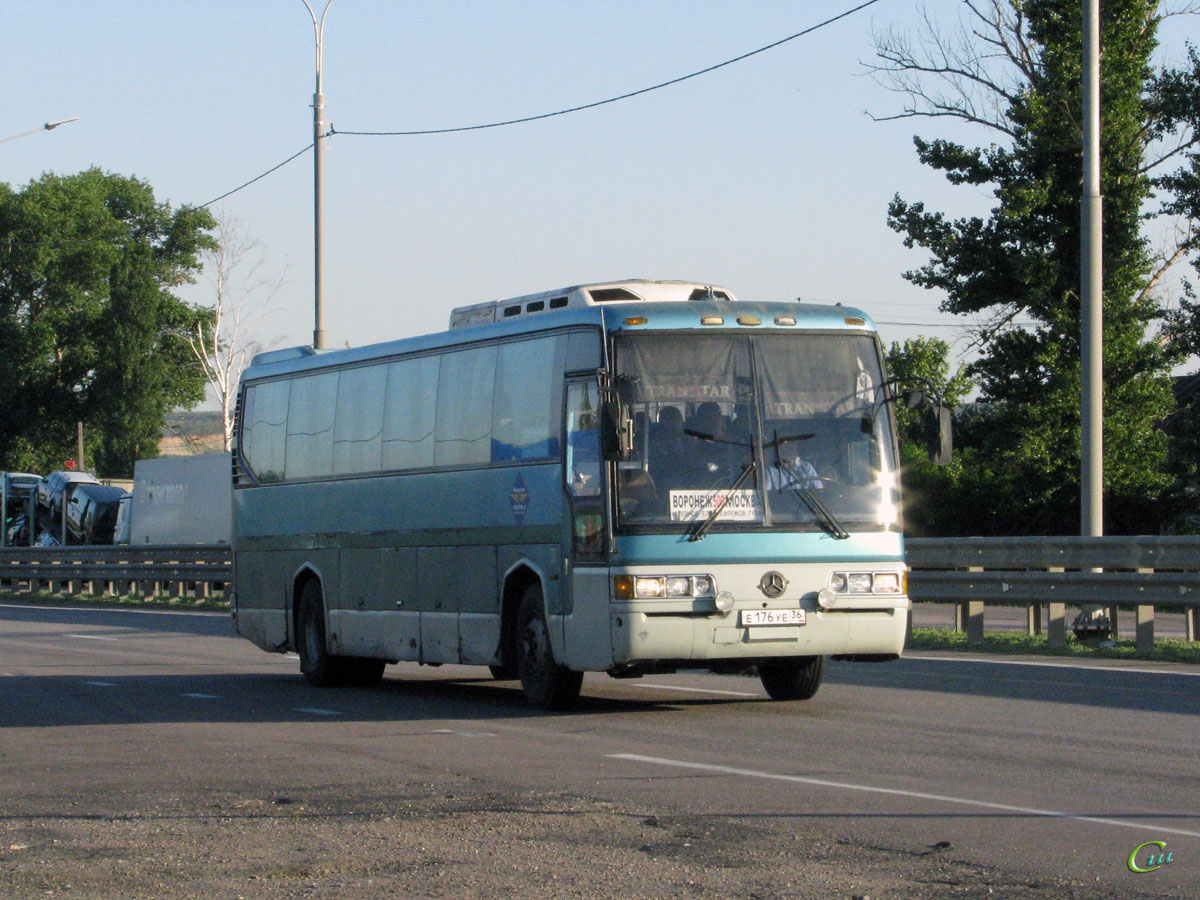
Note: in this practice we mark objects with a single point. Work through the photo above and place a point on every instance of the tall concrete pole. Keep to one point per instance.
(1091, 622)
(1092, 286)
(319, 124)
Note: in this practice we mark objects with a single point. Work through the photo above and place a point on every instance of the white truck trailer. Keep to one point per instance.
(182, 500)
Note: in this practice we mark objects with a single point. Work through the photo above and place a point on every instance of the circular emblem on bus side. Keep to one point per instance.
(772, 584)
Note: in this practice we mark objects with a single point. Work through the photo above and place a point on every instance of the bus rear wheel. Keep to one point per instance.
(546, 684)
(795, 678)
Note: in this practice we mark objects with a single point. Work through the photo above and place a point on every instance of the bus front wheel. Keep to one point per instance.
(546, 684)
(317, 664)
(792, 679)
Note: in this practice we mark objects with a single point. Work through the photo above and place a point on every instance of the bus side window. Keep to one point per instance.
(584, 468)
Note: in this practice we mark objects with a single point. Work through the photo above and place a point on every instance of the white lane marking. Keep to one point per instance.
(1050, 665)
(90, 637)
(202, 696)
(472, 734)
(918, 795)
(314, 711)
(124, 610)
(692, 690)
(100, 683)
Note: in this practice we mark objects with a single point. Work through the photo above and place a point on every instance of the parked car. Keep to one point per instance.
(50, 490)
(124, 518)
(92, 513)
(18, 488)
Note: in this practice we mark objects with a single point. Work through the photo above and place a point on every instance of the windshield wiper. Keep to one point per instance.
(823, 513)
(698, 534)
(799, 484)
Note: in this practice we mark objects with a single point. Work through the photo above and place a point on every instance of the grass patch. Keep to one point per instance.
(1165, 650)
(126, 601)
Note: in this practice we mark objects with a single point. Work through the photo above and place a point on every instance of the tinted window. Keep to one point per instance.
(527, 399)
(358, 425)
(464, 407)
(264, 429)
(310, 425)
(410, 400)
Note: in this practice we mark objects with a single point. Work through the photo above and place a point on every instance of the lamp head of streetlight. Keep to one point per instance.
(52, 125)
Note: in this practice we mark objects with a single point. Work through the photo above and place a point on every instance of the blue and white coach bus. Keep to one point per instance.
(631, 477)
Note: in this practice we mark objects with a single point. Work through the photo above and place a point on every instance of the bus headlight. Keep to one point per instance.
(663, 587)
(867, 583)
(886, 583)
(679, 586)
(649, 588)
(858, 582)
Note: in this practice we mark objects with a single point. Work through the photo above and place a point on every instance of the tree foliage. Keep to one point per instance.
(90, 328)
(1016, 70)
(929, 490)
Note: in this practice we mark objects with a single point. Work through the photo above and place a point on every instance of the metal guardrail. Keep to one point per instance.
(1043, 574)
(1142, 572)
(177, 569)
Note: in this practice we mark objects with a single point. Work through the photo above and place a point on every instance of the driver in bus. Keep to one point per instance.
(789, 468)
(795, 470)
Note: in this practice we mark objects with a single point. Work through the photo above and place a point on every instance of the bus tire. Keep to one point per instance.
(317, 664)
(546, 684)
(795, 678)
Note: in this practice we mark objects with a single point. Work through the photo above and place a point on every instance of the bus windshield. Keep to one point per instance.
(770, 431)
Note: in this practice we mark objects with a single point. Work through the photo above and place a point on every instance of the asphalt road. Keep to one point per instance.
(156, 754)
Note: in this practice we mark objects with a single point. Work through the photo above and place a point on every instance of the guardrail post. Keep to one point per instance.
(974, 623)
(1115, 621)
(1191, 622)
(963, 611)
(1145, 629)
(1033, 619)
(1056, 626)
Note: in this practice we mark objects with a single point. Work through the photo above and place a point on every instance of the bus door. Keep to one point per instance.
(586, 635)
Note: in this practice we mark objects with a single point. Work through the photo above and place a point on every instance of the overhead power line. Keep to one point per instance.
(247, 184)
(619, 97)
(540, 116)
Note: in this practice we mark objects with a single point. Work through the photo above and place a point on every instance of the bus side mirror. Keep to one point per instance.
(616, 431)
(941, 444)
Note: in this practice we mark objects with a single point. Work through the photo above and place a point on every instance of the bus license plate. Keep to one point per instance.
(772, 617)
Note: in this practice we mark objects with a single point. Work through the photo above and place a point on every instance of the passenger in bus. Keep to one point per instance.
(712, 457)
(708, 422)
(666, 439)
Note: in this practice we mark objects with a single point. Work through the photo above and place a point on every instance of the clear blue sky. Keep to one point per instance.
(765, 176)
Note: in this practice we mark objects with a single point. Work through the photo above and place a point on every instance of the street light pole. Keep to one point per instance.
(318, 107)
(49, 126)
(1092, 287)
(1091, 623)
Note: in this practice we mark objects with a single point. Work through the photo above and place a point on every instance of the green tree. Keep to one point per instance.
(90, 329)
(929, 490)
(1018, 73)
